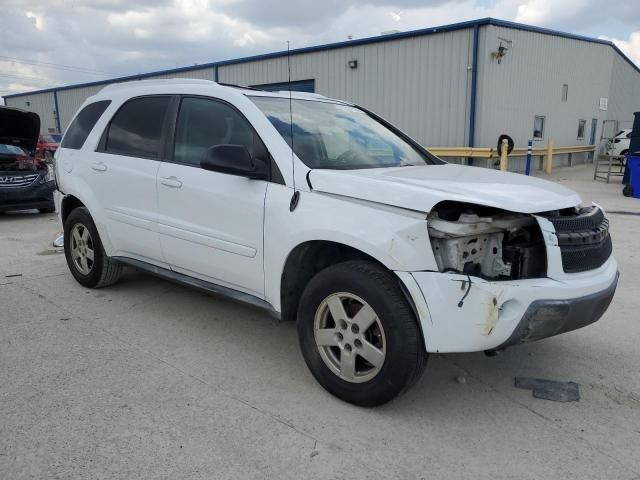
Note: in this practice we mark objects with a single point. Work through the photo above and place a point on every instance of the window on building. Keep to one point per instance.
(581, 124)
(136, 129)
(565, 92)
(538, 127)
(82, 125)
(203, 124)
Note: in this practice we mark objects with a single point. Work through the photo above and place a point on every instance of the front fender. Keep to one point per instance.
(395, 237)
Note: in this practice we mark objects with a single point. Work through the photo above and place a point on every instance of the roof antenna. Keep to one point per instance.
(296, 195)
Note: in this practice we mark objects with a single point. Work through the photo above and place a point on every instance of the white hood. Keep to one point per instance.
(420, 188)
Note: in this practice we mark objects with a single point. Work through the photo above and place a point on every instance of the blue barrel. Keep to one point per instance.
(633, 164)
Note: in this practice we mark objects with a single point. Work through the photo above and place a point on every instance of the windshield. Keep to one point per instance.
(10, 150)
(15, 159)
(335, 136)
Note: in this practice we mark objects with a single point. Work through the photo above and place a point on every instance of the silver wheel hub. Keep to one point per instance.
(350, 337)
(82, 252)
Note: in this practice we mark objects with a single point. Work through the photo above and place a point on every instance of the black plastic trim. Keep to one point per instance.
(199, 284)
(546, 318)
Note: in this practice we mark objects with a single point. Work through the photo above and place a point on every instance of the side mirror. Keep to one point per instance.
(234, 160)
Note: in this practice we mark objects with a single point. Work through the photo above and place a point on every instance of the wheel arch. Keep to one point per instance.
(304, 261)
(71, 201)
(68, 204)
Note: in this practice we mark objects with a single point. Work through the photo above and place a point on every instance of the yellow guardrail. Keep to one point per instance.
(547, 152)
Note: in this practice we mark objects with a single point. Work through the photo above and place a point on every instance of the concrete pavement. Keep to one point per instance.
(146, 379)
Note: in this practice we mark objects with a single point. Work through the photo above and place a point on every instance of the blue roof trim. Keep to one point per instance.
(349, 43)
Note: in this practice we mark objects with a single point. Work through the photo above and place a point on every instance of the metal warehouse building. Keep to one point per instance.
(451, 86)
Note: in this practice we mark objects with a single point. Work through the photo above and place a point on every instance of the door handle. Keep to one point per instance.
(98, 166)
(172, 182)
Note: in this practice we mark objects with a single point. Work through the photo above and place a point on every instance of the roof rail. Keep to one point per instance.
(158, 81)
(233, 85)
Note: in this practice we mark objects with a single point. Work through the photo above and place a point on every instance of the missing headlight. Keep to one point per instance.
(486, 242)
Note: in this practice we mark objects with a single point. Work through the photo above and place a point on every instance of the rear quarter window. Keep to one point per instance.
(136, 128)
(82, 125)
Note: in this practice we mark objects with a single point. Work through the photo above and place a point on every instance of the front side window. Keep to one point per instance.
(136, 129)
(336, 136)
(204, 123)
(82, 125)
(538, 128)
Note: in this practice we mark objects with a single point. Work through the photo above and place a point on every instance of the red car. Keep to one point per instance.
(48, 143)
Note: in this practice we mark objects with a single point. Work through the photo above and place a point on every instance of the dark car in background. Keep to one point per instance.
(26, 182)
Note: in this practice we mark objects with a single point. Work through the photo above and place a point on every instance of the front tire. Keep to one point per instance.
(358, 334)
(86, 258)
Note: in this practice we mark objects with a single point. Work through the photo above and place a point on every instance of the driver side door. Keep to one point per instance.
(210, 223)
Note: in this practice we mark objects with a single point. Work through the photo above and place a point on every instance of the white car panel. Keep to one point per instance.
(212, 225)
(239, 233)
(421, 187)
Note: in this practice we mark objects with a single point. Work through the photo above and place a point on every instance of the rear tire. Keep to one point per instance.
(86, 258)
(358, 334)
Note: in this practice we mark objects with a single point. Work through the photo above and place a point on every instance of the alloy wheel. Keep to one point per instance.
(350, 337)
(82, 251)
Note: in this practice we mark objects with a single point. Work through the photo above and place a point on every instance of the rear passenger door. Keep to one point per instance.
(124, 170)
(210, 223)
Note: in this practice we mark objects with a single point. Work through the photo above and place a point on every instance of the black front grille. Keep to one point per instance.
(583, 239)
(587, 219)
(581, 258)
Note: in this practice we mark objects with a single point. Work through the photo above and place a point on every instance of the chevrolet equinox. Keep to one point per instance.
(324, 213)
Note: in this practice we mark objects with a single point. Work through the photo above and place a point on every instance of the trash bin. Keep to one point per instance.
(633, 164)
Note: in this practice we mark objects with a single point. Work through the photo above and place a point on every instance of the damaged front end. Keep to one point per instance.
(506, 278)
(486, 242)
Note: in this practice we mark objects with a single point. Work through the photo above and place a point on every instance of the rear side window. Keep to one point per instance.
(136, 129)
(206, 123)
(82, 125)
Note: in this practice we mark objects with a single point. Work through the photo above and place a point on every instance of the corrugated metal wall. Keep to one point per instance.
(529, 82)
(420, 84)
(624, 96)
(202, 74)
(41, 103)
(70, 100)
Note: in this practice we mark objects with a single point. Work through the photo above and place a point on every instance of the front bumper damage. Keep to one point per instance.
(461, 313)
(546, 318)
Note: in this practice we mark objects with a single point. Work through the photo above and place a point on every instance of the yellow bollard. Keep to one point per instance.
(549, 166)
(503, 156)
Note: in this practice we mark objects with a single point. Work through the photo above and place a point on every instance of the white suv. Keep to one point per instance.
(380, 251)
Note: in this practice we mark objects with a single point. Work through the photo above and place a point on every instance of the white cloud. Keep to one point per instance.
(631, 47)
(133, 36)
(544, 12)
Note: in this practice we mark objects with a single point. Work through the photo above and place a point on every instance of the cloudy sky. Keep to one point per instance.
(56, 42)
